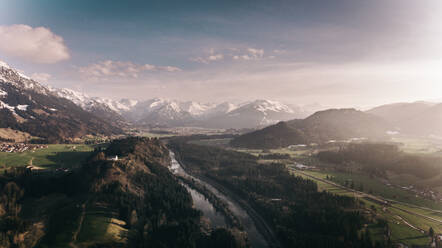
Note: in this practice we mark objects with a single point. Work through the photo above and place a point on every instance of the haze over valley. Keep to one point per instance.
(221, 124)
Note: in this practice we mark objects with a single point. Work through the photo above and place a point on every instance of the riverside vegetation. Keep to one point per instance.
(300, 215)
(132, 202)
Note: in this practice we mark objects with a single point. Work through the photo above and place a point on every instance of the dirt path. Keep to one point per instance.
(408, 224)
(74, 237)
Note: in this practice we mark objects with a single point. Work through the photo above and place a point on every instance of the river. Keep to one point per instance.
(256, 239)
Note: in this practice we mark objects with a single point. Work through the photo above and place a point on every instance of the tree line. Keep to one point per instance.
(300, 215)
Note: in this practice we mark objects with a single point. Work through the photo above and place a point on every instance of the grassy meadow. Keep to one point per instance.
(55, 156)
(406, 225)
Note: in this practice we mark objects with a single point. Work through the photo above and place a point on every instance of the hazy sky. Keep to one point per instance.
(333, 52)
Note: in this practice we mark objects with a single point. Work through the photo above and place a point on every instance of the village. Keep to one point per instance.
(20, 147)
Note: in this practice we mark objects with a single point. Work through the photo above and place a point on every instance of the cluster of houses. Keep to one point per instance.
(303, 167)
(425, 193)
(19, 147)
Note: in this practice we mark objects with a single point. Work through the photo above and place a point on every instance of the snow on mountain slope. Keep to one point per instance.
(220, 109)
(16, 78)
(159, 112)
(82, 100)
(266, 106)
(124, 104)
(30, 107)
(166, 112)
(252, 114)
(4, 65)
(196, 108)
(87, 102)
(107, 109)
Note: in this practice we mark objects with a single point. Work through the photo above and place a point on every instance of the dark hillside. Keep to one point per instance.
(321, 127)
(132, 202)
(27, 106)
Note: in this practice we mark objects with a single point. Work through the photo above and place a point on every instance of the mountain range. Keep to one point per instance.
(161, 112)
(58, 115)
(25, 105)
(29, 107)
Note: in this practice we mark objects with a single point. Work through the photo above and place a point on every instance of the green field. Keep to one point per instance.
(376, 187)
(75, 223)
(65, 218)
(405, 227)
(100, 227)
(211, 142)
(292, 153)
(55, 156)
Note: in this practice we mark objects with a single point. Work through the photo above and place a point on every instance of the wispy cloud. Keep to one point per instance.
(232, 54)
(250, 54)
(41, 77)
(37, 45)
(208, 59)
(121, 69)
(279, 51)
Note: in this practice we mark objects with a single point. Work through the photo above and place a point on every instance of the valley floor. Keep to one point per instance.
(409, 223)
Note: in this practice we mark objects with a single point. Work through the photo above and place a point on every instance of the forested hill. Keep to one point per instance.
(321, 127)
(300, 215)
(131, 202)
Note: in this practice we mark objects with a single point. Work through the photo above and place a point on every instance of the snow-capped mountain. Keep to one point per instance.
(28, 106)
(165, 112)
(107, 109)
(17, 79)
(160, 111)
(82, 100)
(220, 109)
(253, 114)
(89, 103)
(197, 109)
(266, 107)
(172, 113)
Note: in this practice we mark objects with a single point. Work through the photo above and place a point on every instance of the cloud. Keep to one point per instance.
(256, 53)
(279, 51)
(37, 45)
(208, 59)
(41, 77)
(121, 69)
(238, 54)
(250, 54)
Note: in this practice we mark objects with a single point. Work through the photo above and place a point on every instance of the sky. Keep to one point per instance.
(339, 53)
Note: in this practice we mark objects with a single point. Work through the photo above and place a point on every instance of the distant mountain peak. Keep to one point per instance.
(168, 112)
(16, 78)
(269, 105)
